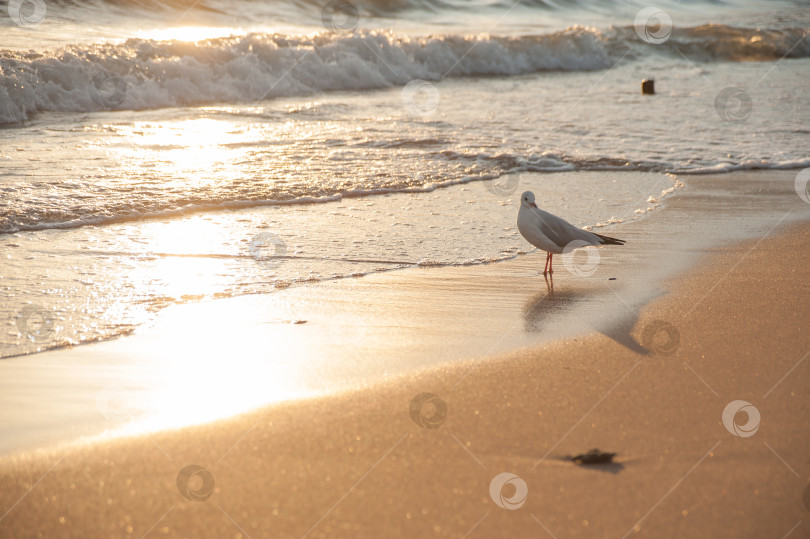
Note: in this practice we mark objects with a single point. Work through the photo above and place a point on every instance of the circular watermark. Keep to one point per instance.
(428, 410)
(116, 403)
(35, 323)
(27, 13)
(195, 483)
(340, 16)
(653, 25)
(502, 185)
(733, 105)
(751, 425)
(517, 499)
(802, 184)
(583, 263)
(107, 90)
(420, 97)
(268, 248)
(661, 338)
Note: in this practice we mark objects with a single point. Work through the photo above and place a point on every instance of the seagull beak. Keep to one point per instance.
(533, 205)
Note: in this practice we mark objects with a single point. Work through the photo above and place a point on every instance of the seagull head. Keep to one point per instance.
(527, 199)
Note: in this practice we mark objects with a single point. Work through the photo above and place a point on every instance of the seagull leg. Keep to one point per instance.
(550, 263)
(545, 268)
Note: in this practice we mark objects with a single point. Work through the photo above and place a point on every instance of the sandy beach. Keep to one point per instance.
(709, 307)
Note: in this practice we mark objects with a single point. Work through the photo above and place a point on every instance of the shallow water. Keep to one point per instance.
(152, 155)
(101, 282)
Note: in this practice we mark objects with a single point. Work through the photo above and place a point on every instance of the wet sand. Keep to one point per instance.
(360, 461)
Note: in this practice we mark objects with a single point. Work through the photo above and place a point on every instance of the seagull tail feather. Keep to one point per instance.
(607, 240)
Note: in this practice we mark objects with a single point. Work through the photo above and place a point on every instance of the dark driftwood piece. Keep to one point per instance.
(594, 456)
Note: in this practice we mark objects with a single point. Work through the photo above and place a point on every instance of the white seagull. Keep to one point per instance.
(553, 234)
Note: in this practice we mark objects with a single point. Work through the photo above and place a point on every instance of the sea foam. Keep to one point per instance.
(145, 74)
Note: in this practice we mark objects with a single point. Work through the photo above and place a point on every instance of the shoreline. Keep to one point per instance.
(414, 318)
(153, 265)
(358, 464)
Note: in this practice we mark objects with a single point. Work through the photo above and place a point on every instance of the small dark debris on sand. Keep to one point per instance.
(594, 456)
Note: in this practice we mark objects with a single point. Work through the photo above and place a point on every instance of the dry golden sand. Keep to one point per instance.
(356, 464)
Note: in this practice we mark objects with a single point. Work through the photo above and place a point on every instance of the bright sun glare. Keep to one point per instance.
(190, 33)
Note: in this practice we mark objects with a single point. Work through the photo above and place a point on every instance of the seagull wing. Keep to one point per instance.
(562, 232)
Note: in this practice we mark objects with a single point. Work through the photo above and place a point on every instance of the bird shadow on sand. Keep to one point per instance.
(541, 306)
(616, 320)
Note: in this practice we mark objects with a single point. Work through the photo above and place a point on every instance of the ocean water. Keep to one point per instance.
(154, 153)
